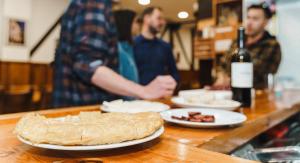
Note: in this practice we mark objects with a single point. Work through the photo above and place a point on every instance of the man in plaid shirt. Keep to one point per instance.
(86, 60)
(264, 48)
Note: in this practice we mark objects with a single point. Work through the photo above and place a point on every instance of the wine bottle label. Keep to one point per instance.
(241, 75)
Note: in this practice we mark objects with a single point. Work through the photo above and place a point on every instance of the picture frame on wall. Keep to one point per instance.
(230, 13)
(16, 32)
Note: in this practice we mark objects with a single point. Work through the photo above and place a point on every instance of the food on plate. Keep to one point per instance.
(205, 95)
(88, 128)
(200, 98)
(209, 99)
(134, 106)
(196, 117)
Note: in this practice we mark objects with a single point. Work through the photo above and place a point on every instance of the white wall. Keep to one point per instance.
(44, 14)
(39, 15)
(20, 10)
(289, 36)
(186, 37)
(1, 25)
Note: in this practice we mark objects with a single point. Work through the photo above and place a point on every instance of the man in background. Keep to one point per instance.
(153, 56)
(263, 47)
(86, 60)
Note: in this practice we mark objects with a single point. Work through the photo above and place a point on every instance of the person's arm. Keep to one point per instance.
(276, 58)
(91, 46)
(107, 79)
(222, 79)
(94, 47)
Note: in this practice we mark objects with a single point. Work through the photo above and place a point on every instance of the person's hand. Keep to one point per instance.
(222, 80)
(160, 87)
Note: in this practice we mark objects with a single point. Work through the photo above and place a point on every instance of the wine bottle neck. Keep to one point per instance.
(241, 38)
(241, 44)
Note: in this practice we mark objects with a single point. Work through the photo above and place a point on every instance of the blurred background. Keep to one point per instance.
(200, 32)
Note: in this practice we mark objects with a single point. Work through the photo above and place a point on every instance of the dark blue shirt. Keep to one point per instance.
(154, 57)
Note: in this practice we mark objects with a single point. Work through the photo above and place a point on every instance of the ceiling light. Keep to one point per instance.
(183, 15)
(144, 2)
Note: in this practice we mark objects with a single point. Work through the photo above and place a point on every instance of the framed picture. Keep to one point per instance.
(16, 32)
(230, 13)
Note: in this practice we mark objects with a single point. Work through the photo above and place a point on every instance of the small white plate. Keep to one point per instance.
(223, 104)
(218, 94)
(222, 117)
(136, 106)
(96, 147)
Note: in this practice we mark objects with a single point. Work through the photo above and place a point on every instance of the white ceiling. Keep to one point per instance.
(170, 7)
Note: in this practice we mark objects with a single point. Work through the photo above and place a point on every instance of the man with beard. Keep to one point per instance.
(153, 56)
(263, 47)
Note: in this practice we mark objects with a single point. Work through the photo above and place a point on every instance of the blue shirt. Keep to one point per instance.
(127, 66)
(154, 57)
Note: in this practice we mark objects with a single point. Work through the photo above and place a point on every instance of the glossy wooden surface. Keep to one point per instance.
(176, 144)
(159, 150)
(264, 114)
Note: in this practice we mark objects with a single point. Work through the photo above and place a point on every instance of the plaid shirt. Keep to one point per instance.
(87, 40)
(266, 57)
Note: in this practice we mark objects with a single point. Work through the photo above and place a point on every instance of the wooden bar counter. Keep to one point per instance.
(177, 144)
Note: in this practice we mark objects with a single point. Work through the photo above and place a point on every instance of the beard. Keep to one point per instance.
(250, 32)
(254, 34)
(153, 30)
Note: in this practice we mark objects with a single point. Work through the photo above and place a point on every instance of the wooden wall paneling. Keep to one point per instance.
(49, 79)
(25, 84)
(18, 90)
(17, 99)
(1, 87)
(3, 84)
(1, 78)
(38, 82)
(3, 75)
(18, 73)
(38, 75)
(47, 94)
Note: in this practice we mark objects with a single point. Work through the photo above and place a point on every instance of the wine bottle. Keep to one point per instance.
(241, 71)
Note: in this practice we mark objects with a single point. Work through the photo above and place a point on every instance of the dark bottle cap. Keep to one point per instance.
(241, 37)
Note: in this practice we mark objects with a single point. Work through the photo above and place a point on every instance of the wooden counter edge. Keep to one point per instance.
(227, 143)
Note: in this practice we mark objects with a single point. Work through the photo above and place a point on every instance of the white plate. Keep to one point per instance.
(218, 94)
(136, 106)
(96, 147)
(222, 117)
(230, 104)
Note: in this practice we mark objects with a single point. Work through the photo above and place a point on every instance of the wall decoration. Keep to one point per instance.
(16, 32)
(229, 14)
